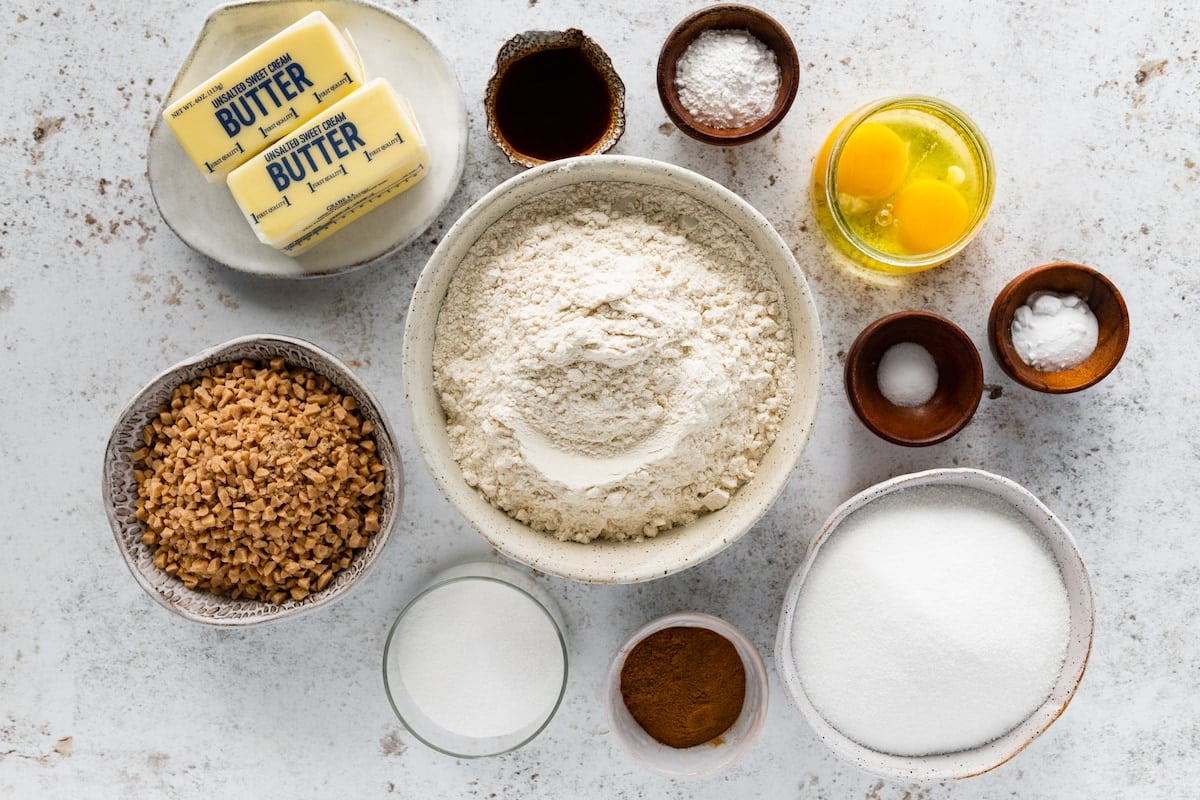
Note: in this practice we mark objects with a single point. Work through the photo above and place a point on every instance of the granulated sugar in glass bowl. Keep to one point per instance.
(476, 664)
(624, 329)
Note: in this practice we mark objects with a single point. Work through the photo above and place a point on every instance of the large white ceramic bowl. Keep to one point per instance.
(607, 561)
(977, 760)
(121, 487)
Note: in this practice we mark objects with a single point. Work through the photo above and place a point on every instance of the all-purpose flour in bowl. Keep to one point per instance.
(613, 360)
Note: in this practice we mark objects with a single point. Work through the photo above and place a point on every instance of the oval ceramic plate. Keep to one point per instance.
(204, 214)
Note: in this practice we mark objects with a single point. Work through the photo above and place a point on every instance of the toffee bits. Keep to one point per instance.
(258, 481)
(684, 685)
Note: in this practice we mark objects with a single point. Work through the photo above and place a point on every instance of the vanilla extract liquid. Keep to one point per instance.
(553, 104)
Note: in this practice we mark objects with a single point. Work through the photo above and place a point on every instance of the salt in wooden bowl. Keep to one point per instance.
(959, 381)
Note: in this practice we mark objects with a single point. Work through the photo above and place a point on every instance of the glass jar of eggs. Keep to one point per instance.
(903, 184)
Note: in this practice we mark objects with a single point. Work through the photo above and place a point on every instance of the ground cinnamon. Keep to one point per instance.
(684, 685)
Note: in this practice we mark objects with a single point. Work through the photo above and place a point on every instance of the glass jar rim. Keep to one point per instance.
(422, 736)
(974, 140)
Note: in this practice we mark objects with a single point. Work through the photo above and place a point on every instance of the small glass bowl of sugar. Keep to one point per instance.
(476, 664)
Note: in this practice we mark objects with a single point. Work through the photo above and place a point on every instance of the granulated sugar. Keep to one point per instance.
(613, 360)
(479, 658)
(933, 620)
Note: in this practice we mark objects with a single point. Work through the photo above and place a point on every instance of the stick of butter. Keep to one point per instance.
(343, 163)
(264, 95)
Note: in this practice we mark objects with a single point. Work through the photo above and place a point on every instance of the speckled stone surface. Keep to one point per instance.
(1093, 113)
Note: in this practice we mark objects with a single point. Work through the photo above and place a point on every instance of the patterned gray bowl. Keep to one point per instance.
(120, 485)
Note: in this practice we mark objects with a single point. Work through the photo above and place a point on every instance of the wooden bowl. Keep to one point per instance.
(959, 386)
(1062, 277)
(726, 17)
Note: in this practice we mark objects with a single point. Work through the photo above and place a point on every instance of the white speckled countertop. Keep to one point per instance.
(1093, 113)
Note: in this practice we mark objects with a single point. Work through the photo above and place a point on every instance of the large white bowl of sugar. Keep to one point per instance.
(622, 330)
(940, 622)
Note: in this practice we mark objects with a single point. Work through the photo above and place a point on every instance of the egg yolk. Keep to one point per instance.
(872, 162)
(929, 215)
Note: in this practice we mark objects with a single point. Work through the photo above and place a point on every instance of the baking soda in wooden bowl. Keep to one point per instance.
(937, 626)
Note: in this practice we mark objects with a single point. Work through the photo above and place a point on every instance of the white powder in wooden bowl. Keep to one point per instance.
(1052, 332)
(727, 78)
(613, 360)
(907, 375)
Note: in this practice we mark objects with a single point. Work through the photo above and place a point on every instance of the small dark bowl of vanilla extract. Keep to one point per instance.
(553, 95)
